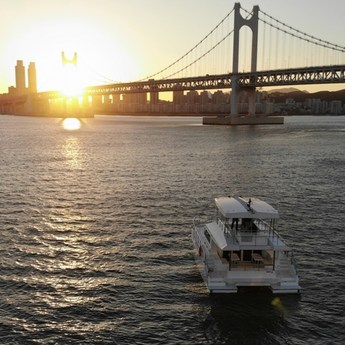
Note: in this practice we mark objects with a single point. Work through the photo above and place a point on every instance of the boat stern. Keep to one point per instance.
(286, 287)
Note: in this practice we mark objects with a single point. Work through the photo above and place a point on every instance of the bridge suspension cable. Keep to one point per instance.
(286, 47)
(188, 53)
(300, 34)
(200, 57)
(280, 47)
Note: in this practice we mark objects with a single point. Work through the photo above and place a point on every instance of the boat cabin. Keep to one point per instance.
(241, 248)
(247, 237)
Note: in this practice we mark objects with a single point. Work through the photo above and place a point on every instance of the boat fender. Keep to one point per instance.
(200, 251)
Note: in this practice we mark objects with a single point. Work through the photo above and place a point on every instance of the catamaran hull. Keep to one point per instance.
(231, 286)
(230, 282)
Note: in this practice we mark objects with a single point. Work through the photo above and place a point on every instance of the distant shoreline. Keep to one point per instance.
(160, 115)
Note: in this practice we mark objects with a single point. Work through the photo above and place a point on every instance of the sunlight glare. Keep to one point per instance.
(277, 303)
(71, 150)
(71, 83)
(100, 61)
(71, 124)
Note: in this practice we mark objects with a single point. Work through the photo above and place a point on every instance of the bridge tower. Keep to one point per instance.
(72, 61)
(253, 24)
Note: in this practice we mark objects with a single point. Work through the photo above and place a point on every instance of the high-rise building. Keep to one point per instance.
(32, 80)
(20, 78)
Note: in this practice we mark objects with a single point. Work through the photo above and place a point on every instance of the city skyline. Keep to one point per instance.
(120, 42)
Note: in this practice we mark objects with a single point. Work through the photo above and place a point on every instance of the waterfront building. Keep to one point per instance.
(20, 78)
(219, 97)
(32, 80)
(205, 97)
(335, 107)
(192, 97)
(178, 97)
(135, 98)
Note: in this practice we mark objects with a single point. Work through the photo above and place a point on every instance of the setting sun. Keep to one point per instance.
(71, 79)
(103, 58)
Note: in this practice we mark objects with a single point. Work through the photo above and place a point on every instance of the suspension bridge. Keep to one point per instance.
(245, 51)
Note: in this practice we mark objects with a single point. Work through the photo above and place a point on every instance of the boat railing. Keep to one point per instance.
(264, 226)
(291, 260)
(263, 234)
(252, 237)
(199, 236)
(249, 266)
(276, 239)
(196, 221)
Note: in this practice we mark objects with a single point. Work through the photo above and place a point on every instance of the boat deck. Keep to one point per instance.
(264, 265)
(241, 248)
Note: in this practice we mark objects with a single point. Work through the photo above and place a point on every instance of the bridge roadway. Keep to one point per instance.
(296, 76)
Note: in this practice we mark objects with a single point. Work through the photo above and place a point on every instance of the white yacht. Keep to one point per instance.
(241, 248)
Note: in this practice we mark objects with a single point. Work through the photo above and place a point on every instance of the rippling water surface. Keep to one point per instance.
(95, 229)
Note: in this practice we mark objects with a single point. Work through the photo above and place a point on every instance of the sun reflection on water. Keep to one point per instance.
(72, 152)
(71, 124)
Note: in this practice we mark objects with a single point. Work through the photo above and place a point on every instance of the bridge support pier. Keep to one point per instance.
(253, 24)
(243, 120)
(234, 118)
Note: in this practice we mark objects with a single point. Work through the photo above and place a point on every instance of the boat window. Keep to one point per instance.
(226, 254)
(207, 235)
(248, 224)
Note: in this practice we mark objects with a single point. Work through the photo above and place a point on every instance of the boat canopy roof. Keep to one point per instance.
(242, 207)
(223, 242)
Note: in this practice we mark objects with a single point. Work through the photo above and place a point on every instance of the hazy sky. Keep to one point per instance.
(130, 39)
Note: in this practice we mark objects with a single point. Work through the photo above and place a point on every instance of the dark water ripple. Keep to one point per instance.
(95, 225)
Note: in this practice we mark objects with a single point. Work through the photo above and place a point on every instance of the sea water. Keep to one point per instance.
(95, 229)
